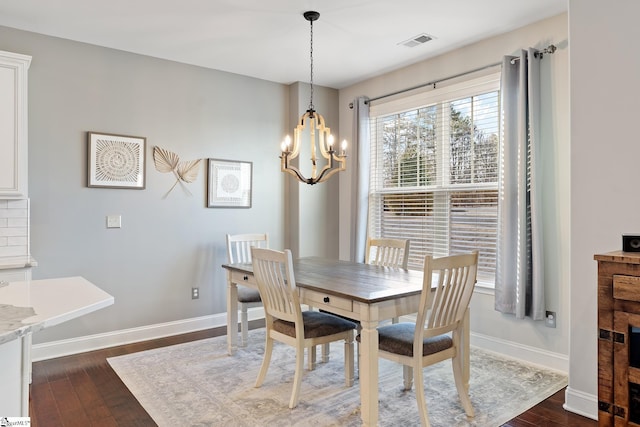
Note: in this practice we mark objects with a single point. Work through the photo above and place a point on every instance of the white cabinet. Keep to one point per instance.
(53, 301)
(13, 124)
(15, 275)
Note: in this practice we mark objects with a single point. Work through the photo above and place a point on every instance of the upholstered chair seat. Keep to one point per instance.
(248, 295)
(398, 338)
(316, 324)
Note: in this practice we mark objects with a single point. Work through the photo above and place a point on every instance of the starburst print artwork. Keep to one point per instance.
(116, 161)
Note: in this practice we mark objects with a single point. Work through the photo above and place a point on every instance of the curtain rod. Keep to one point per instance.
(549, 49)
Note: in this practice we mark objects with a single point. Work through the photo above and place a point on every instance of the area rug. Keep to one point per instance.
(198, 384)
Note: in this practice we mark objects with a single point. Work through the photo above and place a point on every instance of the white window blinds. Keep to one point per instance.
(434, 172)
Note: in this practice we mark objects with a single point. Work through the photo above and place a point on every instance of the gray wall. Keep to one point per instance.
(604, 165)
(165, 245)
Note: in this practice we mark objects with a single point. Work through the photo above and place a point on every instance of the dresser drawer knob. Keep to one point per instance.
(245, 278)
(326, 300)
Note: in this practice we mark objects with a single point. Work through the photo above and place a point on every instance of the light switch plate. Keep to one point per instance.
(114, 221)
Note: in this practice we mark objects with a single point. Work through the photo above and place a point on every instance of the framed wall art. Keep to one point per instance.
(229, 183)
(116, 161)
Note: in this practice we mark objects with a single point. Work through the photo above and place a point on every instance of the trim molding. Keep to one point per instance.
(546, 359)
(581, 403)
(53, 349)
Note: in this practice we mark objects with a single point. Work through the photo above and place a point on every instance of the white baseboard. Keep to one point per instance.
(581, 403)
(67, 347)
(576, 401)
(546, 359)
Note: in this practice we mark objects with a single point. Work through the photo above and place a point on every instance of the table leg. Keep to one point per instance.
(368, 373)
(232, 316)
(466, 337)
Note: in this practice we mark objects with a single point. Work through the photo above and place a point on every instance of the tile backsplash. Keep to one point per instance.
(14, 228)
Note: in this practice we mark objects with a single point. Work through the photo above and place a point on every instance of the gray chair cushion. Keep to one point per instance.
(340, 316)
(316, 324)
(248, 294)
(398, 338)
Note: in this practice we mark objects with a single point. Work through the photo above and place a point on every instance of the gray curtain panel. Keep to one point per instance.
(519, 287)
(362, 164)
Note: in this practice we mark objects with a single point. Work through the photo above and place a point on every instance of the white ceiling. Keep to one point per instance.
(269, 39)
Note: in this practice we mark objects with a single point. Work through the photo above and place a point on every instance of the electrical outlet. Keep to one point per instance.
(114, 221)
(195, 293)
(550, 319)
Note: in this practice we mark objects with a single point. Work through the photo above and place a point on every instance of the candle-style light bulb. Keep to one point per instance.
(344, 146)
(330, 141)
(286, 144)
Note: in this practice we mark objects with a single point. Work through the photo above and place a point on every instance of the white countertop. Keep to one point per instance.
(30, 306)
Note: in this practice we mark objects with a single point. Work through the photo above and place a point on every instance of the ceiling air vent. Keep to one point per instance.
(417, 40)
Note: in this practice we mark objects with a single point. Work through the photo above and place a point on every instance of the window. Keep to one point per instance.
(434, 172)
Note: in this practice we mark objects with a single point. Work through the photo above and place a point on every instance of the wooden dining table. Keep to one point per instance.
(366, 293)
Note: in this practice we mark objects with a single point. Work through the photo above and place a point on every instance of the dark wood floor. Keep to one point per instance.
(82, 390)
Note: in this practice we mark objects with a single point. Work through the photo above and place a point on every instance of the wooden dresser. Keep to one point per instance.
(618, 338)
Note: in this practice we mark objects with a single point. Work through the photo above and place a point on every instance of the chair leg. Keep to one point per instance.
(348, 361)
(297, 379)
(268, 347)
(420, 397)
(463, 393)
(407, 373)
(325, 352)
(244, 325)
(311, 358)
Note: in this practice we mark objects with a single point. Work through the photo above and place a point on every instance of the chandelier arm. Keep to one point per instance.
(342, 158)
(327, 172)
(295, 172)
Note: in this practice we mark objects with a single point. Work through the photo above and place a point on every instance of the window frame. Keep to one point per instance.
(441, 97)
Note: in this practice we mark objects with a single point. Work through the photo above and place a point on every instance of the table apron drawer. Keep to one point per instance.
(323, 301)
(243, 279)
(626, 287)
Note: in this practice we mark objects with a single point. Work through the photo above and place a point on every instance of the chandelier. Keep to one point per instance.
(319, 137)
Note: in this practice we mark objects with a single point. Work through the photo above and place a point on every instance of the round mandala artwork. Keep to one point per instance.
(230, 183)
(117, 161)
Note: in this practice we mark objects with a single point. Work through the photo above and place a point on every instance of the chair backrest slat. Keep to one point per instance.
(388, 252)
(442, 306)
(273, 271)
(239, 246)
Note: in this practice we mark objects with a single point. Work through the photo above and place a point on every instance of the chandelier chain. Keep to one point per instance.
(311, 107)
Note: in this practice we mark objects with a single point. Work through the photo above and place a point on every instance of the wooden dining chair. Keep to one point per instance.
(287, 323)
(239, 251)
(438, 329)
(387, 252)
